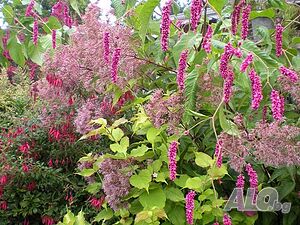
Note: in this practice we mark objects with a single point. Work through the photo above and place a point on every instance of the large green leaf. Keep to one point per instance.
(155, 198)
(74, 5)
(217, 5)
(35, 53)
(177, 215)
(8, 13)
(141, 180)
(269, 13)
(16, 51)
(118, 7)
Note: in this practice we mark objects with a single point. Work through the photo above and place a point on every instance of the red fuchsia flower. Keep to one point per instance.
(277, 105)
(54, 39)
(165, 25)
(47, 220)
(50, 163)
(289, 73)
(206, 44)
(253, 179)
(114, 66)
(3, 180)
(182, 64)
(97, 203)
(35, 32)
(235, 17)
(31, 186)
(25, 222)
(53, 132)
(189, 206)
(172, 153)
(106, 46)
(196, 8)
(245, 21)
(227, 91)
(25, 168)
(256, 89)
(54, 81)
(3, 205)
(29, 9)
(278, 39)
(24, 148)
(219, 153)
(247, 61)
(226, 220)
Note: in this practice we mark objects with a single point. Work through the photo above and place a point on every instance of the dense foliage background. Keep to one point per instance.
(152, 115)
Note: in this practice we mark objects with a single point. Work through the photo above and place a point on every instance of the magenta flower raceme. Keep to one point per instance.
(189, 206)
(226, 220)
(206, 44)
(289, 73)
(196, 7)
(245, 21)
(114, 65)
(181, 69)
(227, 91)
(54, 39)
(247, 61)
(35, 32)
(277, 105)
(278, 39)
(225, 57)
(256, 88)
(172, 159)
(29, 9)
(253, 180)
(218, 153)
(240, 182)
(165, 25)
(235, 17)
(106, 46)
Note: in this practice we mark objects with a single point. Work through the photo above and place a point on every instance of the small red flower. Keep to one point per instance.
(3, 205)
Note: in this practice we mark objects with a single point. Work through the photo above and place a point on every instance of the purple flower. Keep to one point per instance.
(54, 39)
(106, 46)
(67, 18)
(289, 73)
(29, 8)
(196, 7)
(206, 44)
(226, 220)
(235, 17)
(277, 105)
(225, 57)
(172, 159)
(189, 206)
(181, 69)
(245, 21)
(256, 88)
(278, 39)
(253, 180)
(114, 65)
(247, 61)
(227, 91)
(165, 25)
(240, 182)
(35, 32)
(218, 153)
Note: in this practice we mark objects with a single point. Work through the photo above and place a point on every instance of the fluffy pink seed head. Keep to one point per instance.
(189, 206)
(278, 39)
(182, 64)
(172, 159)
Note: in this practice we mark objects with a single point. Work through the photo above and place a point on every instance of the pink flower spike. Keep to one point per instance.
(54, 39)
(235, 17)
(226, 220)
(189, 206)
(206, 44)
(256, 89)
(278, 39)
(106, 46)
(196, 7)
(114, 66)
(182, 64)
(247, 61)
(277, 105)
(29, 9)
(218, 153)
(165, 25)
(35, 32)
(245, 21)
(289, 73)
(227, 91)
(172, 159)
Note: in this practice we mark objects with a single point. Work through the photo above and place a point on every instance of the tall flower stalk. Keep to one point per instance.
(165, 25)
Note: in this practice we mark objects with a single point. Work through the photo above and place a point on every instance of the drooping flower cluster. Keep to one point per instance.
(61, 11)
(35, 32)
(229, 51)
(189, 206)
(278, 39)
(114, 65)
(29, 9)
(277, 105)
(226, 220)
(228, 82)
(245, 21)
(47, 220)
(116, 181)
(206, 44)
(292, 75)
(235, 17)
(253, 179)
(165, 110)
(106, 52)
(54, 39)
(5, 39)
(172, 159)
(240, 182)
(256, 89)
(182, 64)
(165, 25)
(219, 153)
(97, 202)
(196, 9)
(247, 61)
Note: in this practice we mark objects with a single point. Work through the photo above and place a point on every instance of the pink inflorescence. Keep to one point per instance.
(29, 9)
(227, 91)
(165, 25)
(35, 32)
(106, 46)
(248, 60)
(245, 21)
(206, 44)
(278, 39)
(235, 17)
(196, 7)
(256, 88)
(219, 153)
(54, 39)
(114, 65)
(189, 206)
(226, 220)
(229, 51)
(292, 75)
(172, 159)
(253, 180)
(240, 182)
(181, 69)
(277, 105)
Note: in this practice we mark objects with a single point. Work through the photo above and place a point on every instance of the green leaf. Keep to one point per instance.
(269, 13)
(16, 51)
(35, 54)
(216, 172)
(8, 13)
(174, 194)
(139, 151)
(155, 198)
(217, 5)
(196, 183)
(69, 218)
(118, 7)
(80, 220)
(117, 134)
(203, 160)
(152, 133)
(105, 214)
(93, 188)
(74, 5)
(119, 122)
(142, 180)
(86, 172)
(52, 23)
(227, 125)
(145, 15)
(177, 215)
